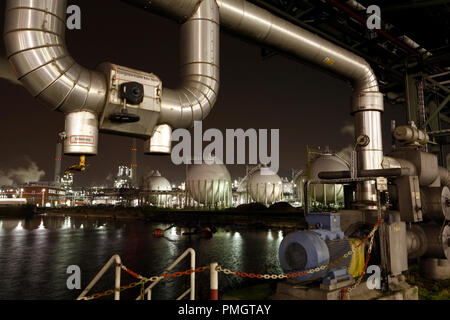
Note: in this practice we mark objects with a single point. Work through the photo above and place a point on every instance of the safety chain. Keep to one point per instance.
(310, 271)
(143, 280)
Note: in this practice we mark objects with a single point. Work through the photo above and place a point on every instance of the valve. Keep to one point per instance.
(131, 93)
(80, 167)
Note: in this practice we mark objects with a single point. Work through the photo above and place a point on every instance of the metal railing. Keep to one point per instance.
(115, 258)
(191, 290)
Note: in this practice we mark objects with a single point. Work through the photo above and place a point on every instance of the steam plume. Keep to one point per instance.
(21, 175)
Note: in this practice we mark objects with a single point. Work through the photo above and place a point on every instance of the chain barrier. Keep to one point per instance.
(143, 280)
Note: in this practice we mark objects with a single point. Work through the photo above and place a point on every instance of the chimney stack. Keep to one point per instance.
(58, 158)
(134, 164)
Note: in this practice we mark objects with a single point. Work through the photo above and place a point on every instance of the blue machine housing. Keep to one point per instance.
(317, 246)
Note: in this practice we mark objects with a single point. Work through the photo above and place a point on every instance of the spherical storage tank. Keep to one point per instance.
(326, 193)
(155, 182)
(209, 184)
(299, 182)
(265, 189)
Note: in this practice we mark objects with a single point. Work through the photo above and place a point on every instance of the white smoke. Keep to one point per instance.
(21, 175)
(6, 72)
(346, 153)
(4, 180)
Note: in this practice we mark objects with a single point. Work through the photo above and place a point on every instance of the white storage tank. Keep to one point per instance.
(299, 182)
(265, 189)
(153, 183)
(327, 193)
(209, 184)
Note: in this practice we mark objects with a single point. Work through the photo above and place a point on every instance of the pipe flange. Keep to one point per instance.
(367, 101)
(363, 140)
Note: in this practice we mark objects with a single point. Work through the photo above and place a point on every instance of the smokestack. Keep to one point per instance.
(134, 164)
(58, 158)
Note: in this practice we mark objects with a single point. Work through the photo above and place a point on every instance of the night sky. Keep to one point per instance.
(308, 106)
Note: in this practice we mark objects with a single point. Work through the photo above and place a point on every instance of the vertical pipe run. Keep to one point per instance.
(368, 123)
(199, 68)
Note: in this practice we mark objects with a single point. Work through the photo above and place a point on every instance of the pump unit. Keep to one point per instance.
(321, 244)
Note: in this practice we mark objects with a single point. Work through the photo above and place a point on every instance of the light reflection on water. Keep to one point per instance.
(35, 254)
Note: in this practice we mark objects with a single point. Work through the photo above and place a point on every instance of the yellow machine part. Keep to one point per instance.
(357, 265)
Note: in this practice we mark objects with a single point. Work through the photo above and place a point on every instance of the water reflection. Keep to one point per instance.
(35, 254)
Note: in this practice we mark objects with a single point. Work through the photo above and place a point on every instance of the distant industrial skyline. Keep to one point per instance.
(309, 107)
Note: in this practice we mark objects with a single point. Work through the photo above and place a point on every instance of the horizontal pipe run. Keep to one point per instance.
(395, 172)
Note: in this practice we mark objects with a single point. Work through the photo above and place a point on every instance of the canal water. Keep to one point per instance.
(35, 255)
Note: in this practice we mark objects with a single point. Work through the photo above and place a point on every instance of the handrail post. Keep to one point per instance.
(192, 293)
(117, 279)
(192, 276)
(214, 281)
(115, 258)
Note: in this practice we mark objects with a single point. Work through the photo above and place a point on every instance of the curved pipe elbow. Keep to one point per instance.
(191, 102)
(34, 37)
(199, 70)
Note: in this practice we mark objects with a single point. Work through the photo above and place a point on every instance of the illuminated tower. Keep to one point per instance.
(133, 166)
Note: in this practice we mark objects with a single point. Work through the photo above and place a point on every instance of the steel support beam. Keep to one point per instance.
(436, 112)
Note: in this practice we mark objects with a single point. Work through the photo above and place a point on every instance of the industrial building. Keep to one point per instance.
(43, 194)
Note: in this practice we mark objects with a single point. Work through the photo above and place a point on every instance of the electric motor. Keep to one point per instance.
(310, 249)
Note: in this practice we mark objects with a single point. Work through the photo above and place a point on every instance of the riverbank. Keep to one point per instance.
(248, 216)
(18, 212)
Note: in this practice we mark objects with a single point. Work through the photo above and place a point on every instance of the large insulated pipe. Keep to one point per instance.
(34, 36)
(199, 69)
(199, 74)
(250, 21)
(428, 241)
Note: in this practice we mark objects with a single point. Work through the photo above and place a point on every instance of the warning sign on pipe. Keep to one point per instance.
(81, 140)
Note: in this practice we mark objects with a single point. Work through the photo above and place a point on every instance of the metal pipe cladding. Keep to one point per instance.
(250, 21)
